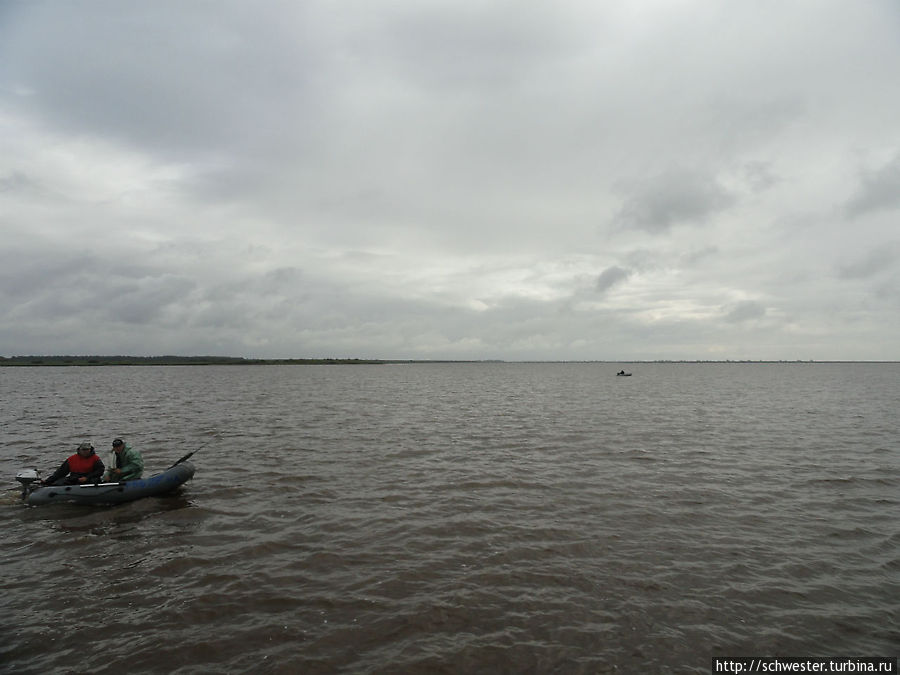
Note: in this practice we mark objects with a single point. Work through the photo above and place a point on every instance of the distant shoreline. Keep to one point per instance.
(19, 361)
(176, 361)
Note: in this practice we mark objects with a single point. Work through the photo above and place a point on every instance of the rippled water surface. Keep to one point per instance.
(446, 518)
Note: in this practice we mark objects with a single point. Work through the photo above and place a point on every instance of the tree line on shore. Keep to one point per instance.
(166, 361)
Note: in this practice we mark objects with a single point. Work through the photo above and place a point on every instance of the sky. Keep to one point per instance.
(407, 179)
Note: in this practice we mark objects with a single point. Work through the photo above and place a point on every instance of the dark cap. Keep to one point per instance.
(118, 442)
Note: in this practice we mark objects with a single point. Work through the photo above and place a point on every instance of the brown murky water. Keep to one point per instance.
(477, 518)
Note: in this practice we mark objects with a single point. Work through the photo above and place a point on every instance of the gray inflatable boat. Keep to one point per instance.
(107, 493)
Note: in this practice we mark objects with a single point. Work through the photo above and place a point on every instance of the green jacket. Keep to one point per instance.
(131, 463)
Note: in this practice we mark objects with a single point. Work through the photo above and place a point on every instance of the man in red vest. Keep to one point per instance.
(82, 467)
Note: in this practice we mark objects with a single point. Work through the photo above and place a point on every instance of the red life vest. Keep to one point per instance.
(82, 465)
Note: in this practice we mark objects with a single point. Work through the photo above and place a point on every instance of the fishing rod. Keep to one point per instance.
(189, 455)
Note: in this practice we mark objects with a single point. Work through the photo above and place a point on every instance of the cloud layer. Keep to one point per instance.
(571, 180)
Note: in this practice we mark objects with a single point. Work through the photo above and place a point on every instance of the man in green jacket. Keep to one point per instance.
(125, 463)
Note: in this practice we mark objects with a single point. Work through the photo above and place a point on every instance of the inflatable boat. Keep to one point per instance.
(105, 493)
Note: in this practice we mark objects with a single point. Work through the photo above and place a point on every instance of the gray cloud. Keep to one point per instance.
(674, 197)
(747, 310)
(610, 277)
(694, 258)
(875, 261)
(16, 181)
(760, 176)
(445, 180)
(879, 190)
(133, 73)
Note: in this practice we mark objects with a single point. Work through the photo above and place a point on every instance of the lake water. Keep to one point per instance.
(458, 518)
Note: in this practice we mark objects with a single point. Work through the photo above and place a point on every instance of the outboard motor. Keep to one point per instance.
(26, 477)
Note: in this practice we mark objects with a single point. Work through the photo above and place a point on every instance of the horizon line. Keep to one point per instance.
(99, 359)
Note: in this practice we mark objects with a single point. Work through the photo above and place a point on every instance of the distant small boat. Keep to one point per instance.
(622, 373)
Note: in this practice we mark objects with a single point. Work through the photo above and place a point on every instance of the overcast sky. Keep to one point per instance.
(559, 180)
